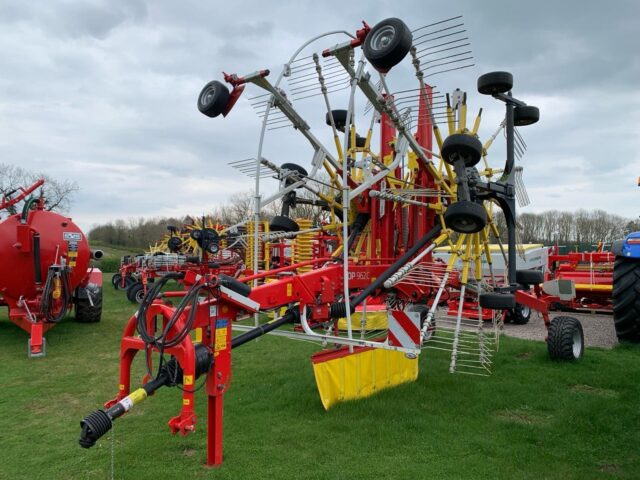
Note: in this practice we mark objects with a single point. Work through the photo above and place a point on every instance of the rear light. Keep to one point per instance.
(634, 241)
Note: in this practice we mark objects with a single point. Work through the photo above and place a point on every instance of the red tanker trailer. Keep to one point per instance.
(45, 270)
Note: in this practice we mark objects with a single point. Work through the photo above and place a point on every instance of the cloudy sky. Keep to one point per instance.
(104, 93)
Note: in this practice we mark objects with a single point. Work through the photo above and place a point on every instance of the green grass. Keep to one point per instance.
(531, 419)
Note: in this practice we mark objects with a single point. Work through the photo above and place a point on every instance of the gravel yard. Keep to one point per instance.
(599, 330)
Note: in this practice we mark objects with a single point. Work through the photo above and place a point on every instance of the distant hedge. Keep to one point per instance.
(109, 264)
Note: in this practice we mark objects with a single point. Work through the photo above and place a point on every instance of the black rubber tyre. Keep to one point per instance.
(213, 99)
(495, 82)
(295, 168)
(280, 223)
(519, 315)
(233, 284)
(387, 44)
(174, 244)
(465, 217)
(461, 146)
(86, 313)
(565, 340)
(529, 277)
(133, 291)
(128, 281)
(626, 299)
(526, 115)
(339, 118)
(424, 311)
(498, 301)
(116, 280)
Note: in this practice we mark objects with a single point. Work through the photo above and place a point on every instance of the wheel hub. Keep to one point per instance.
(382, 38)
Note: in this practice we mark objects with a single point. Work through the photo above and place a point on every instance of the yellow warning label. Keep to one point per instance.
(121, 387)
(289, 289)
(198, 338)
(188, 380)
(186, 401)
(221, 339)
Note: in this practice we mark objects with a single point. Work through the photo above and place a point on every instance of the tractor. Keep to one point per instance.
(626, 287)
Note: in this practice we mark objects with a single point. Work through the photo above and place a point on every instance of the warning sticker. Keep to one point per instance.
(72, 236)
(221, 339)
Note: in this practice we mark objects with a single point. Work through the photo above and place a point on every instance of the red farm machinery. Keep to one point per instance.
(413, 178)
(196, 247)
(45, 269)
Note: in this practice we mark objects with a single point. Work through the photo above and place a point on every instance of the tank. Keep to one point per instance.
(61, 242)
(45, 271)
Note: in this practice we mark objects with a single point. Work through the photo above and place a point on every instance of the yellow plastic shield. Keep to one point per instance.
(342, 376)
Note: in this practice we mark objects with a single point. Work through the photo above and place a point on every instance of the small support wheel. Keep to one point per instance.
(497, 301)
(280, 223)
(116, 281)
(387, 44)
(213, 99)
(529, 277)
(135, 292)
(339, 119)
(301, 172)
(519, 315)
(87, 313)
(495, 82)
(461, 146)
(174, 244)
(465, 217)
(525, 115)
(565, 339)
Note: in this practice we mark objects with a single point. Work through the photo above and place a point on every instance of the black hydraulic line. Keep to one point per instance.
(288, 317)
(36, 258)
(358, 226)
(339, 309)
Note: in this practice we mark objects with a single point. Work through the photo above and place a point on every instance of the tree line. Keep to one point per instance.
(582, 228)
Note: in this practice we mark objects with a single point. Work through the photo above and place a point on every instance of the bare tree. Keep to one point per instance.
(57, 193)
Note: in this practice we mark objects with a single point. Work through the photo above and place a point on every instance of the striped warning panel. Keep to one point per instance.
(404, 329)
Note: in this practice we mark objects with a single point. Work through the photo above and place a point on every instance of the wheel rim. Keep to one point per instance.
(464, 225)
(525, 311)
(140, 295)
(577, 343)
(382, 38)
(208, 95)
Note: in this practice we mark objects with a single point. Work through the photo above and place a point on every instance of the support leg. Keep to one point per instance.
(214, 430)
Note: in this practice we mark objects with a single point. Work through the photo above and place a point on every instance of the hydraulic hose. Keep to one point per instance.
(26, 208)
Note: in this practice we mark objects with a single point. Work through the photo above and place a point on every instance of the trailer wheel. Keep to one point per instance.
(87, 313)
(626, 299)
(519, 315)
(497, 301)
(213, 99)
(387, 44)
(495, 82)
(294, 168)
(565, 339)
(461, 146)
(465, 217)
(116, 280)
(135, 292)
(280, 223)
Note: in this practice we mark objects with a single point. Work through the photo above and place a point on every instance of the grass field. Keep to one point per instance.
(531, 419)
